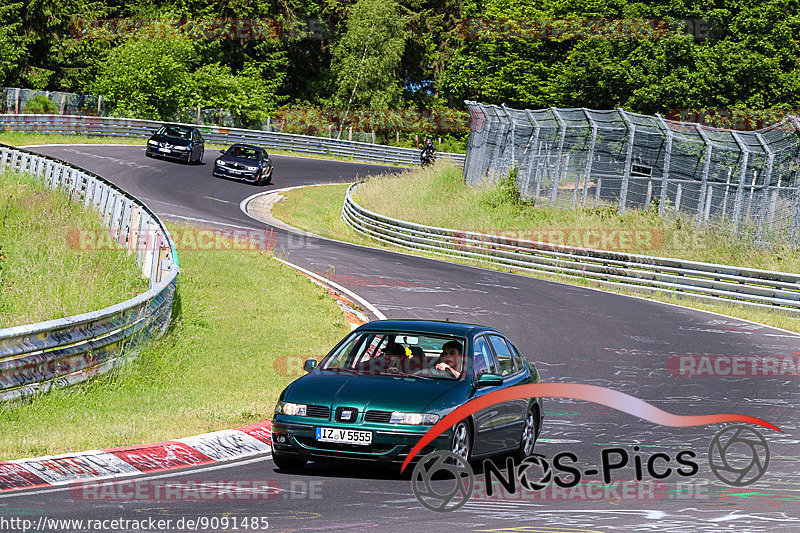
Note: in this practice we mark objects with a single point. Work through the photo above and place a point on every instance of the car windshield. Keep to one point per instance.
(393, 353)
(175, 131)
(244, 152)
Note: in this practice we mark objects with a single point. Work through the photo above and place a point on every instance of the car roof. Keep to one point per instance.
(243, 145)
(425, 326)
(182, 126)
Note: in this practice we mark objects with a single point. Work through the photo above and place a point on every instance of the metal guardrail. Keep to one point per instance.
(303, 144)
(764, 289)
(37, 357)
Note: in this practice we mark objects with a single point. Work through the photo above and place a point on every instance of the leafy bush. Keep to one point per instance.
(40, 104)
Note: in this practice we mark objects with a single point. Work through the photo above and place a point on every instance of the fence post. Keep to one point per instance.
(531, 148)
(737, 203)
(706, 168)
(557, 176)
(589, 158)
(762, 212)
(513, 135)
(626, 176)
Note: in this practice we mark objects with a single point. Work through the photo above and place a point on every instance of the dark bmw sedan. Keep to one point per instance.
(383, 386)
(244, 162)
(176, 141)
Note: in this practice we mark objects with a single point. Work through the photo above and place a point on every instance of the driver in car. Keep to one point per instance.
(451, 358)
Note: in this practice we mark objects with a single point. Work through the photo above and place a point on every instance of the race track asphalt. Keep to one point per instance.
(573, 334)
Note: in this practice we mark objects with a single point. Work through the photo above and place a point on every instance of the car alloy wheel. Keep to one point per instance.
(530, 432)
(462, 440)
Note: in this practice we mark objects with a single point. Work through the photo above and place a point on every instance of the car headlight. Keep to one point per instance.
(413, 418)
(181, 148)
(152, 143)
(290, 409)
(221, 163)
(252, 169)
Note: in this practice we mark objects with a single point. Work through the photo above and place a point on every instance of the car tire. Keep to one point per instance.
(284, 462)
(530, 433)
(269, 178)
(461, 443)
(200, 158)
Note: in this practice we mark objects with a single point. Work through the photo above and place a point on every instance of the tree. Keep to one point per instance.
(147, 78)
(367, 56)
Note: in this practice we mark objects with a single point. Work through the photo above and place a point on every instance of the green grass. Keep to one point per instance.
(21, 138)
(43, 272)
(238, 316)
(437, 196)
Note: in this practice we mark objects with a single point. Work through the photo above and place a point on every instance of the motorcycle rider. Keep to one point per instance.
(428, 153)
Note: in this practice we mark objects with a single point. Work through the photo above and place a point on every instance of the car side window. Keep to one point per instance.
(503, 353)
(197, 136)
(482, 360)
(517, 357)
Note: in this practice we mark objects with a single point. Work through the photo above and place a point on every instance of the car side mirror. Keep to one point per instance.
(222, 151)
(310, 365)
(488, 380)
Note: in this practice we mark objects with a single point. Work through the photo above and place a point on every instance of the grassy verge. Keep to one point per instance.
(239, 316)
(20, 138)
(438, 197)
(43, 275)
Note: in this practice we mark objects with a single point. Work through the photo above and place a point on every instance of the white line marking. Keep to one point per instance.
(217, 199)
(174, 473)
(335, 285)
(206, 221)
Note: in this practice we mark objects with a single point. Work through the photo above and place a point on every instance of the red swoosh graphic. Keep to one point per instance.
(590, 393)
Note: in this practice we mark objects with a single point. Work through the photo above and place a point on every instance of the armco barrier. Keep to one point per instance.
(37, 357)
(303, 144)
(704, 281)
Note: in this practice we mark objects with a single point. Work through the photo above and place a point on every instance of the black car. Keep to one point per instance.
(244, 162)
(177, 142)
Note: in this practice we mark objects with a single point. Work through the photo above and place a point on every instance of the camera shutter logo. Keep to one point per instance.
(738, 455)
(525, 468)
(458, 489)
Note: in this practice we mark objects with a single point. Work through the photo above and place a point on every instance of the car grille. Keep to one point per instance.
(381, 417)
(332, 446)
(318, 411)
(351, 419)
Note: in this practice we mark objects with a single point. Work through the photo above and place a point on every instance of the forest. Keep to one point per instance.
(257, 57)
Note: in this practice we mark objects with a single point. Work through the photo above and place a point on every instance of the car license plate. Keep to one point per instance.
(344, 436)
(163, 149)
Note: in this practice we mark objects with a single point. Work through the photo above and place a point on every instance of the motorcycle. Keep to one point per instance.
(427, 157)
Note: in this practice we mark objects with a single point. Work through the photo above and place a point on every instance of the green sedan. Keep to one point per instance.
(384, 385)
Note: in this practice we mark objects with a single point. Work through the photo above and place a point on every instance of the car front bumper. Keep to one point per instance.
(389, 445)
(183, 155)
(246, 175)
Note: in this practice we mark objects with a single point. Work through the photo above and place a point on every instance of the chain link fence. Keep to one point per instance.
(744, 181)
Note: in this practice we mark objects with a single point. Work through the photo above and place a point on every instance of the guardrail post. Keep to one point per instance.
(589, 158)
(626, 176)
(706, 168)
(737, 203)
(3, 157)
(557, 176)
(762, 212)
